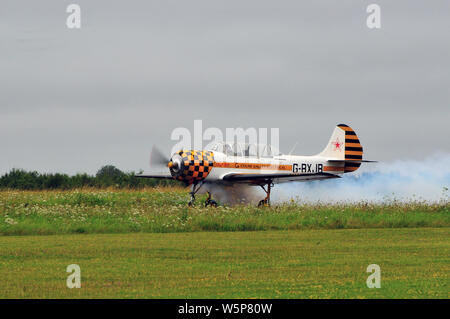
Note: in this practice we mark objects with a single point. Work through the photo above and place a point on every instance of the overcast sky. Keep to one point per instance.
(74, 100)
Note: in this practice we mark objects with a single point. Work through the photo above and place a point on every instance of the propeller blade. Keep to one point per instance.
(158, 160)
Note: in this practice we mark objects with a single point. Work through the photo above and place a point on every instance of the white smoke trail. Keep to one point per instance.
(234, 194)
(400, 180)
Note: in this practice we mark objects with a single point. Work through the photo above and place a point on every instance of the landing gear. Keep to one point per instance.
(210, 202)
(195, 189)
(266, 201)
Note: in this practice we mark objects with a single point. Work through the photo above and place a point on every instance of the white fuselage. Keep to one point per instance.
(282, 164)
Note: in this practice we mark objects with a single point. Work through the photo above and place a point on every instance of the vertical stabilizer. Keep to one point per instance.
(344, 145)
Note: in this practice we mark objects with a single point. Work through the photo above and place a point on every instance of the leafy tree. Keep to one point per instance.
(109, 175)
(106, 176)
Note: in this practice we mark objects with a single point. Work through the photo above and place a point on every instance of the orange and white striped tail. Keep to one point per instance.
(353, 149)
(344, 146)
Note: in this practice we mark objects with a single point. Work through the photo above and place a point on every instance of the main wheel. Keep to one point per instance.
(263, 203)
(210, 202)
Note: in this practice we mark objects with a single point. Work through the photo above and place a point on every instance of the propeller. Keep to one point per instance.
(158, 161)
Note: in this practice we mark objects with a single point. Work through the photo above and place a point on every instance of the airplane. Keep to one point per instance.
(258, 165)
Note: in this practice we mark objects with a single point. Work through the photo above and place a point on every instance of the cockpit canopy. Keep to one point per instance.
(245, 149)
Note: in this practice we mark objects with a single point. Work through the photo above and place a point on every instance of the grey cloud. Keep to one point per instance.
(72, 100)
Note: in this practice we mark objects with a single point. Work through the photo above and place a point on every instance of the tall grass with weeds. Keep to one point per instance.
(164, 209)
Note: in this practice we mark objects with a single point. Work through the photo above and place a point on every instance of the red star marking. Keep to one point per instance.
(337, 145)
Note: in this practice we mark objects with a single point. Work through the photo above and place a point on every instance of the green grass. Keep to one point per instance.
(149, 244)
(164, 210)
(269, 264)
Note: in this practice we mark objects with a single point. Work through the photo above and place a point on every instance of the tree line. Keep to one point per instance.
(107, 176)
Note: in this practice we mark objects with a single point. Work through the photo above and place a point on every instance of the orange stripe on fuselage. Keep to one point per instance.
(261, 166)
(253, 166)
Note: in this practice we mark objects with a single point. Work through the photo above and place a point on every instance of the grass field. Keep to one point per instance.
(165, 210)
(148, 244)
(268, 264)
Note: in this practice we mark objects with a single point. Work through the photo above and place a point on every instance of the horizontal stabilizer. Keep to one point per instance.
(352, 161)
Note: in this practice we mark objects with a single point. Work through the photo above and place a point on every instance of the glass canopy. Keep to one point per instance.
(245, 149)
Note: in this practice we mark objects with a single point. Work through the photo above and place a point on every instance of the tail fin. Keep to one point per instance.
(344, 145)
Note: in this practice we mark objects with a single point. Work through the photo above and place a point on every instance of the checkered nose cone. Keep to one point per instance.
(196, 165)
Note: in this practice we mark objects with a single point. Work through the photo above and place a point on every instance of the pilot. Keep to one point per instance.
(227, 149)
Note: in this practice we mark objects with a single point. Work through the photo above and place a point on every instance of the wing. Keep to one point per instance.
(275, 178)
(155, 175)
